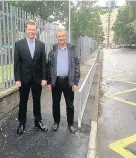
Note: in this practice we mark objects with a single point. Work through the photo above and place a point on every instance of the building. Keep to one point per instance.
(108, 21)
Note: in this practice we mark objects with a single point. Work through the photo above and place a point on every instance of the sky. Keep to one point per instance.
(103, 2)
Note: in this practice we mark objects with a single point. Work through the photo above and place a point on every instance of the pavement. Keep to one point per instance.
(60, 144)
(117, 108)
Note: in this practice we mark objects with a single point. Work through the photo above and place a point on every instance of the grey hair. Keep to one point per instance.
(61, 30)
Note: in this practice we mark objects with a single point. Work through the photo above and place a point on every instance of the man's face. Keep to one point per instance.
(61, 37)
(31, 31)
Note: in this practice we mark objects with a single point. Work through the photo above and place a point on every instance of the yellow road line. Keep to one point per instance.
(119, 71)
(123, 101)
(125, 74)
(119, 145)
(123, 92)
(126, 82)
(111, 70)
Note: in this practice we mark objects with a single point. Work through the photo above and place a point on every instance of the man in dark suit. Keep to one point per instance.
(30, 73)
(63, 76)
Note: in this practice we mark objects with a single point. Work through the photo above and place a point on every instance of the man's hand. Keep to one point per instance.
(49, 87)
(74, 88)
(18, 84)
(43, 83)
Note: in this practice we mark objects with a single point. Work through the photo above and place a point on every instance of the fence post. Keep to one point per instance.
(79, 109)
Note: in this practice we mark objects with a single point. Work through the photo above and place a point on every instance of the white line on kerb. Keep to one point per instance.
(92, 141)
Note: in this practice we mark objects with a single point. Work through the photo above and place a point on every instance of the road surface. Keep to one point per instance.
(117, 109)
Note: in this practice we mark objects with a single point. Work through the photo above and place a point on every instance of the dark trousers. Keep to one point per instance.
(36, 94)
(63, 86)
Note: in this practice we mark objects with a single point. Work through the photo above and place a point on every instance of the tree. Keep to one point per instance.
(48, 10)
(85, 16)
(86, 20)
(125, 25)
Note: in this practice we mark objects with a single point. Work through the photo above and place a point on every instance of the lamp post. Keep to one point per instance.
(69, 22)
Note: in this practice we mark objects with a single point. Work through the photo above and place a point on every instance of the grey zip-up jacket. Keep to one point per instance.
(73, 70)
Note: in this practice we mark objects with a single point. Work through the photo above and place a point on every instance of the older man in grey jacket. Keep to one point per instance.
(63, 76)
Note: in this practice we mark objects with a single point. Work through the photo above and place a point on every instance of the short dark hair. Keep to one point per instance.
(30, 22)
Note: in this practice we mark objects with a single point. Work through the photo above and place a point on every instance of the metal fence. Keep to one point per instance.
(84, 91)
(12, 28)
(84, 45)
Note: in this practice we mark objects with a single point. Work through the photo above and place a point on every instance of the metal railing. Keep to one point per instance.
(84, 91)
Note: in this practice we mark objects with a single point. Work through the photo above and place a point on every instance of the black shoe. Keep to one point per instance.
(39, 125)
(55, 127)
(20, 129)
(72, 129)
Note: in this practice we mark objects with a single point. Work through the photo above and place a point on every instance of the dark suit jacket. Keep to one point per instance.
(26, 67)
